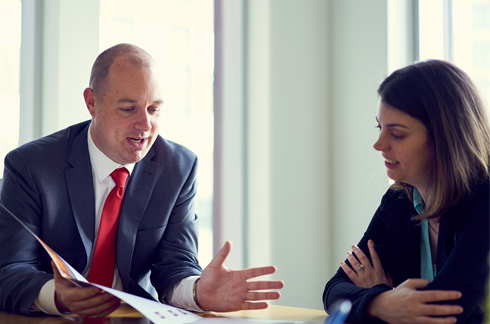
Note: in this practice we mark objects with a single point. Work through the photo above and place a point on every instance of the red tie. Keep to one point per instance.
(102, 269)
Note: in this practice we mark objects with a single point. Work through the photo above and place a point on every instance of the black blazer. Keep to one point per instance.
(462, 253)
(48, 184)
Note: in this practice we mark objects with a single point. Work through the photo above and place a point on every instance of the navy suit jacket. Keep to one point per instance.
(462, 254)
(48, 184)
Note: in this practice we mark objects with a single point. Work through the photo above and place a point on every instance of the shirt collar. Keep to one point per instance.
(102, 165)
(418, 203)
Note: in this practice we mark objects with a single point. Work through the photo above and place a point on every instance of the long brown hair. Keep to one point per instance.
(446, 101)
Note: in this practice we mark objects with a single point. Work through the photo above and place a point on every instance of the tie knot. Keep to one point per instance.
(119, 176)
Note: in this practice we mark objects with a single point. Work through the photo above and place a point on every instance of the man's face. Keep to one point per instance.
(126, 120)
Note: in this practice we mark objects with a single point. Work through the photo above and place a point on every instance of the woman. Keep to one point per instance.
(433, 223)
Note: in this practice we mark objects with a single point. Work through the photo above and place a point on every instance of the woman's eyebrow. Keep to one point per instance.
(396, 125)
(392, 125)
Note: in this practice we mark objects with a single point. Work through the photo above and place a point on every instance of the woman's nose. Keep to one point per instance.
(381, 144)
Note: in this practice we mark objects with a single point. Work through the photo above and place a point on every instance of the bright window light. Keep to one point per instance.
(10, 20)
(179, 35)
(431, 29)
(471, 28)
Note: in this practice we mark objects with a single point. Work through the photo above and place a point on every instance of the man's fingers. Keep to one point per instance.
(101, 309)
(75, 294)
(220, 257)
(260, 285)
(86, 302)
(97, 306)
(260, 305)
(267, 295)
(257, 272)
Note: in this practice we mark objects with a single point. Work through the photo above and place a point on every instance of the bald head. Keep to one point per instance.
(100, 70)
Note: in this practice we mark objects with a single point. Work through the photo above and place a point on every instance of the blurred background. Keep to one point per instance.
(276, 97)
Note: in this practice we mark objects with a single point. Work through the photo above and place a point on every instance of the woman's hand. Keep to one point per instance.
(367, 275)
(405, 304)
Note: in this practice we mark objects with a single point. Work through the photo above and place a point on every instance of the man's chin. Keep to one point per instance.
(133, 157)
(136, 158)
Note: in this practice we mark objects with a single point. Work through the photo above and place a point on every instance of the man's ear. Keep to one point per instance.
(90, 100)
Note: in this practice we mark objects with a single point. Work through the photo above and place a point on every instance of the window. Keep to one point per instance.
(459, 31)
(180, 37)
(471, 26)
(431, 29)
(10, 19)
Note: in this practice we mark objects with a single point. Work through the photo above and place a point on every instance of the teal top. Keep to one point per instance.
(426, 270)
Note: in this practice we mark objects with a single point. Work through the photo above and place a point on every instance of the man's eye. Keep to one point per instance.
(126, 109)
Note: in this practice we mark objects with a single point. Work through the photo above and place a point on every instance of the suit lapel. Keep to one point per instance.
(400, 255)
(136, 198)
(81, 190)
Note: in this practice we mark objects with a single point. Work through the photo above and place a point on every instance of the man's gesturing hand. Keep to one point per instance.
(88, 302)
(222, 289)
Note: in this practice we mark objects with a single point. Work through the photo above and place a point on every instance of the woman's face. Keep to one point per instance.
(404, 143)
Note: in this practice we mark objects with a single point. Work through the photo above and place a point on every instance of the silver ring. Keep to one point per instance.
(361, 267)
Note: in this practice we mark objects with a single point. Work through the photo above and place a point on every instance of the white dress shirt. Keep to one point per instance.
(102, 167)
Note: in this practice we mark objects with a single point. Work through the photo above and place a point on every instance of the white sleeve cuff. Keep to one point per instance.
(181, 294)
(45, 300)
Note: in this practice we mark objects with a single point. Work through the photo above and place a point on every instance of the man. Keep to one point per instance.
(60, 186)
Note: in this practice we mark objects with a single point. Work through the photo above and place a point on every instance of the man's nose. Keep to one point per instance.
(143, 121)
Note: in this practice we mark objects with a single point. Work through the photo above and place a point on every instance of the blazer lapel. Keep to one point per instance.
(81, 190)
(401, 254)
(136, 198)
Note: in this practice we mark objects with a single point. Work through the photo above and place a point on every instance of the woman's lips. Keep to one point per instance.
(390, 164)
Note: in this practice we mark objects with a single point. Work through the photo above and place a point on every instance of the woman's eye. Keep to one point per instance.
(397, 137)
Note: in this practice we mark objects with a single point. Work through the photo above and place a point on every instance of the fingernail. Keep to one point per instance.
(341, 262)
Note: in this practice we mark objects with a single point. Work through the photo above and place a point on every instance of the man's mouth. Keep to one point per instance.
(136, 140)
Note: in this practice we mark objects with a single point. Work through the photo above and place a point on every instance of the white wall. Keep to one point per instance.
(298, 146)
(313, 68)
(71, 44)
(359, 62)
